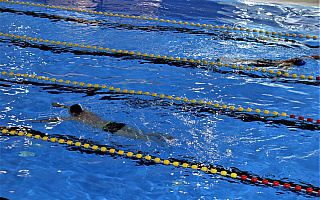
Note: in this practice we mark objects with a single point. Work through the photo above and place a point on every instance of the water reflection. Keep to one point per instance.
(133, 6)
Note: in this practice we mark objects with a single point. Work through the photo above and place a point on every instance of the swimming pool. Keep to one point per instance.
(266, 145)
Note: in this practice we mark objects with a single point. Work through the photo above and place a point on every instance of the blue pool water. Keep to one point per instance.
(276, 148)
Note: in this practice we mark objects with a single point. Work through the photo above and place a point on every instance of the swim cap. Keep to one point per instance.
(299, 62)
(75, 109)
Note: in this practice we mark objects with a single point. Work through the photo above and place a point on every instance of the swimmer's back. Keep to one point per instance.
(90, 118)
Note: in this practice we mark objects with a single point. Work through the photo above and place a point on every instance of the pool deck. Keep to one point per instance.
(292, 2)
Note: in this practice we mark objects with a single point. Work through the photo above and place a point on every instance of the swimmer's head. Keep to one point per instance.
(75, 110)
(299, 62)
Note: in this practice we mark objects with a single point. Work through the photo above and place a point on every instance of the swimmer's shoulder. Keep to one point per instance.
(86, 113)
(89, 116)
(83, 115)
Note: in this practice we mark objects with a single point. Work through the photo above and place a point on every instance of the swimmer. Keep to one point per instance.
(95, 121)
(284, 64)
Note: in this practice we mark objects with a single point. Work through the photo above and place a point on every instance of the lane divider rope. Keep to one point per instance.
(191, 107)
(162, 96)
(122, 26)
(148, 158)
(228, 28)
(271, 73)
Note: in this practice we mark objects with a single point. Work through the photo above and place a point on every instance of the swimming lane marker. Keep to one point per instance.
(170, 58)
(171, 97)
(147, 158)
(247, 30)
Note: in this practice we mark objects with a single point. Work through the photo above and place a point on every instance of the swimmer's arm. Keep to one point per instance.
(289, 61)
(60, 105)
(316, 57)
(50, 120)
